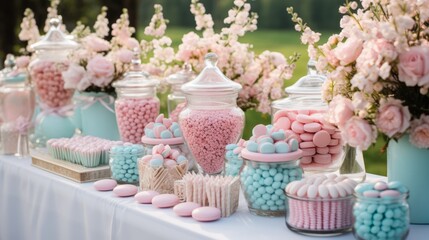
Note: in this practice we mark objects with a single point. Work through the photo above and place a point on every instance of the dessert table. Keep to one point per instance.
(38, 205)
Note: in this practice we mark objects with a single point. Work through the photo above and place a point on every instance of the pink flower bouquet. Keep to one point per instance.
(377, 69)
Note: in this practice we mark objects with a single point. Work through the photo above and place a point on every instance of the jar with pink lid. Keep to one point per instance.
(176, 100)
(303, 112)
(136, 104)
(54, 100)
(211, 118)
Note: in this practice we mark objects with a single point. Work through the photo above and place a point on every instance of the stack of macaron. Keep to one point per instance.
(87, 151)
(380, 212)
(269, 140)
(319, 140)
(233, 160)
(320, 203)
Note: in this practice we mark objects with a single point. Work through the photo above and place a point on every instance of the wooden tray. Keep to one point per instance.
(75, 172)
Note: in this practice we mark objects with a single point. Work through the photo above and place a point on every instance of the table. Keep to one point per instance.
(38, 205)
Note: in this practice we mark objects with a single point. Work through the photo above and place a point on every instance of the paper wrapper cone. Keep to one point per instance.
(160, 179)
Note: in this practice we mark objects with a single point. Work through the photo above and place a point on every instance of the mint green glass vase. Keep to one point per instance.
(98, 116)
(410, 165)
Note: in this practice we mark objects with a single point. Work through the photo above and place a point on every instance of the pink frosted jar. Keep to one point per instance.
(211, 118)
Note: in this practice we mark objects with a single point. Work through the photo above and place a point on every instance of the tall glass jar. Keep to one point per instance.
(303, 112)
(46, 69)
(211, 118)
(381, 217)
(264, 178)
(176, 98)
(136, 104)
(17, 103)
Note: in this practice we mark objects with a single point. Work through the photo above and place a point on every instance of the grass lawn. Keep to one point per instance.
(286, 42)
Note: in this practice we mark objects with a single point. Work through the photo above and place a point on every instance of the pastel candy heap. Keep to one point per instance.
(159, 170)
(207, 132)
(220, 192)
(123, 162)
(320, 203)
(268, 140)
(379, 212)
(320, 141)
(87, 151)
(162, 128)
(50, 84)
(132, 116)
(174, 115)
(234, 162)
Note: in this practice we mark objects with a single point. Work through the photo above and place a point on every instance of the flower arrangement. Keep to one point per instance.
(377, 69)
(261, 76)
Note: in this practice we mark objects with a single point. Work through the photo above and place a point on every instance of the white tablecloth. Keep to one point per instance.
(38, 205)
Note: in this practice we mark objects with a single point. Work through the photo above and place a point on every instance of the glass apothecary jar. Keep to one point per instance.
(176, 98)
(382, 213)
(136, 104)
(303, 112)
(54, 101)
(264, 178)
(123, 162)
(234, 163)
(17, 104)
(211, 118)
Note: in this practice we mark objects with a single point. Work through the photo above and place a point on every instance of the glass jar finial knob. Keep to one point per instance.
(211, 59)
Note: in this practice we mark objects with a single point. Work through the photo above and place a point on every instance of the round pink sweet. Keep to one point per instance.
(206, 214)
(302, 118)
(335, 150)
(336, 135)
(185, 209)
(259, 130)
(304, 111)
(145, 197)
(371, 193)
(306, 160)
(380, 186)
(105, 185)
(278, 115)
(390, 193)
(312, 127)
(334, 142)
(321, 138)
(322, 158)
(308, 152)
(329, 129)
(297, 127)
(306, 136)
(303, 145)
(125, 190)
(165, 200)
(283, 123)
(291, 115)
(322, 150)
(170, 163)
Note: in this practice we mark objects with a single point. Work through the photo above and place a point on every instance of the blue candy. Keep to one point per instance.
(280, 135)
(267, 148)
(231, 146)
(177, 132)
(294, 145)
(252, 146)
(282, 147)
(156, 162)
(166, 134)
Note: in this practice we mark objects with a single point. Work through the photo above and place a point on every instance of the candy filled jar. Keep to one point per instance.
(17, 103)
(136, 104)
(176, 98)
(123, 162)
(211, 118)
(46, 69)
(303, 113)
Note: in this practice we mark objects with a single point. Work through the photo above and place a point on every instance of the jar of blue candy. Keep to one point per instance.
(233, 161)
(264, 177)
(381, 211)
(123, 162)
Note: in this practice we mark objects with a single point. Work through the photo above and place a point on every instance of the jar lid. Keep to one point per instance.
(10, 73)
(310, 84)
(211, 81)
(136, 77)
(273, 157)
(183, 76)
(55, 39)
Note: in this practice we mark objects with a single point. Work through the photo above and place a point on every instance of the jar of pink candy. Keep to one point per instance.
(17, 103)
(137, 103)
(211, 118)
(303, 112)
(176, 98)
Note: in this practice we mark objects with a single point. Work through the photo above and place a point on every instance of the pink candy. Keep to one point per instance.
(320, 141)
(174, 115)
(132, 116)
(207, 132)
(50, 84)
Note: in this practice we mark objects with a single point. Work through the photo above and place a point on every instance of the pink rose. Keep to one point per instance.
(101, 70)
(414, 66)
(340, 110)
(348, 51)
(96, 44)
(419, 135)
(124, 55)
(73, 76)
(392, 117)
(358, 133)
(22, 61)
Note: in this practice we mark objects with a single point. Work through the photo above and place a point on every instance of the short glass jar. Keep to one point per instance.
(264, 178)
(381, 218)
(211, 118)
(176, 100)
(136, 104)
(233, 161)
(123, 162)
